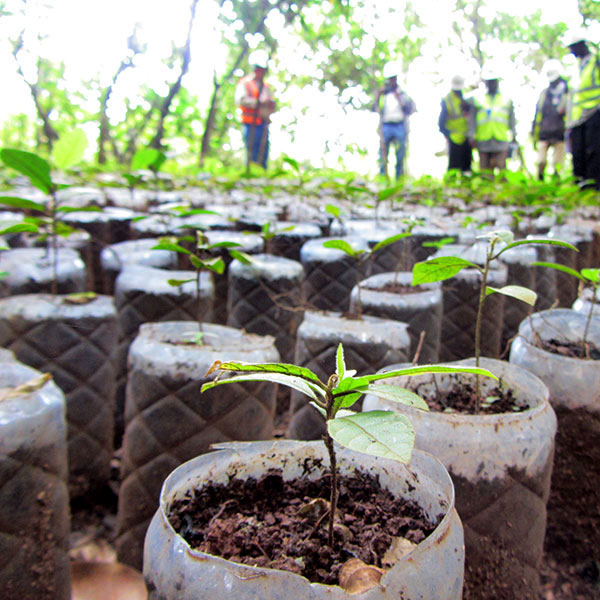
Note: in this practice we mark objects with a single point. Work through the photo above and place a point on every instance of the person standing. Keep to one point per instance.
(394, 112)
(492, 125)
(254, 97)
(548, 129)
(454, 124)
(583, 114)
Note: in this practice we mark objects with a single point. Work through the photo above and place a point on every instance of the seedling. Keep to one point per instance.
(201, 258)
(67, 152)
(380, 433)
(445, 267)
(590, 278)
(360, 256)
(145, 158)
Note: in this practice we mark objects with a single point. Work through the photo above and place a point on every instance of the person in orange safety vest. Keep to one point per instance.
(255, 99)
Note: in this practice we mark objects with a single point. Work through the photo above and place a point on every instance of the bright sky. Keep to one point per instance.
(90, 37)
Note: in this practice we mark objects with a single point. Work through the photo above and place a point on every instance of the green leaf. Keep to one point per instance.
(216, 265)
(36, 169)
(333, 210)
(292, 162)
(538, 242)
(387, 193)
(343, 246)
(21, 203)
(178, 282)
(17, 227)
(71, 209)
(285, 368)
(559, 267)
(296, 383)
(422, 370)
(144, 158)
(340, 365)
(172, 247)
(377, 433)
(514, 291)
(398, 394)
(439, 269)
(243, 257)
(592, 275)
(69, 149)
(223, 245)
(438, 243)
(390, 240)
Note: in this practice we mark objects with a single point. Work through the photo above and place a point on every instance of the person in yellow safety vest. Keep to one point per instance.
(583, 114)
(548, 129)
(492, 126)
(453, 122)
(255, 99)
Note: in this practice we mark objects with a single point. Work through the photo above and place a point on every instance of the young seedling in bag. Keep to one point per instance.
(361, 256)
(589, 278)
(67, 151)
(379, 433)
(445, 267)
(200, 259)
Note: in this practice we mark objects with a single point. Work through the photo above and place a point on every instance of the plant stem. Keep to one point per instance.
(484, 276)
(54, 245)
(589, 318)
(333, 493)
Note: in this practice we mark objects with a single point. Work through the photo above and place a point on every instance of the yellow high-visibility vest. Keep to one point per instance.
(456, 123)
(586, 98)
(492, 120)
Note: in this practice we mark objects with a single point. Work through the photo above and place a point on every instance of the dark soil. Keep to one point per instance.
(396, 288)
(570, 349)
(462, 399)
(283, 524)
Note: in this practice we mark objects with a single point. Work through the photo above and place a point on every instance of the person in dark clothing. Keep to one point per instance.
(453, 123)
(583, 114)
(548, 129)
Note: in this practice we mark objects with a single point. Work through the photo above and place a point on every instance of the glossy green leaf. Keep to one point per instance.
(292, 162)
(377, 433)
(398, 394)
(215, 265)
(224, 245)
(69, 149)
(340, 364)
(333, 210)
(144, 158)
(36, 169)
(514, 291)
(439, 269)
(243, 257)
(422, 370)
(72, 209)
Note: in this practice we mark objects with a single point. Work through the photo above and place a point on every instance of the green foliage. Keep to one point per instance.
(379, 433)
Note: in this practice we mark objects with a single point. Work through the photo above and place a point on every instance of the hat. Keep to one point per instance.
(575, 36)
(259, 59)
(457, 83)
(391, 69)
(489, 72)
(553, 69)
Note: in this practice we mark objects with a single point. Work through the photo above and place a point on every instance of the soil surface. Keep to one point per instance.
(570, 349)
(462, 399)
(283, 524)
(396, 288)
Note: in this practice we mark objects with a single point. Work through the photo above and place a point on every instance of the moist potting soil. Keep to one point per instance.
(281, 524)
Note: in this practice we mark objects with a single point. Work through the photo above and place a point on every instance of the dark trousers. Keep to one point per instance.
(257, 143)
(585, 148)
(459, 156)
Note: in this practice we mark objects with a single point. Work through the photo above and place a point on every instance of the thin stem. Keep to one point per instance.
(484, 276)
(333, 495)
(589, 318)
(54, 245)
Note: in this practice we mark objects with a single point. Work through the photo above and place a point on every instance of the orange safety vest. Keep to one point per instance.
(250, 115)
